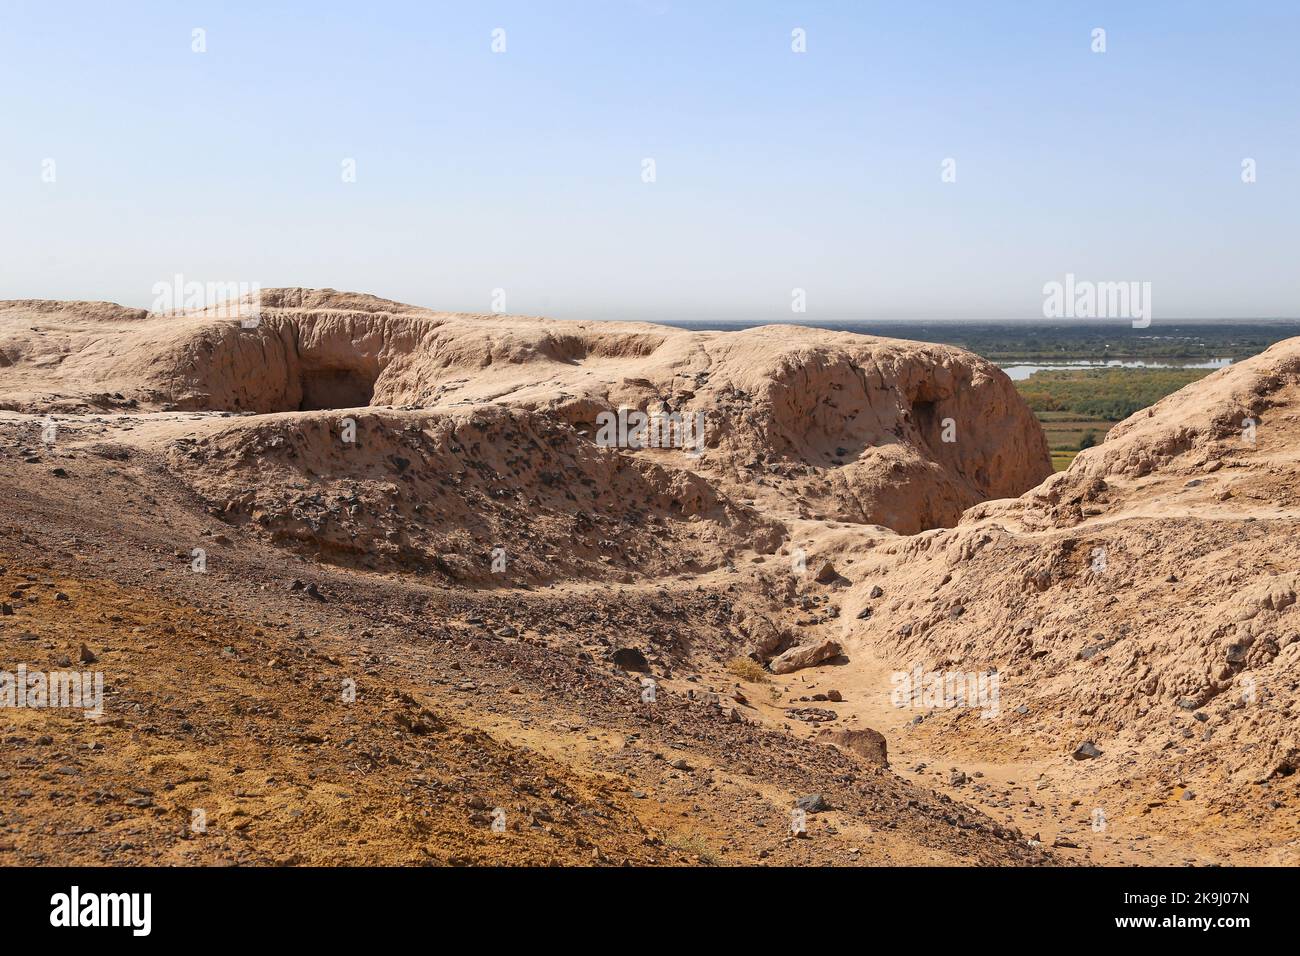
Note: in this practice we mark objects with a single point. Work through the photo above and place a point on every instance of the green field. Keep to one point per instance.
(1106, 393)
(1078, 406)
(1061, 460)
(1067, 433)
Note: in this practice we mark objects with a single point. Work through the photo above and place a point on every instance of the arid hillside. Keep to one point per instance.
(360, 575)
(879, 431)
(1142, 601)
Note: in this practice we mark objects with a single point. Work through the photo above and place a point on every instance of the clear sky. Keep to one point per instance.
(775, 170)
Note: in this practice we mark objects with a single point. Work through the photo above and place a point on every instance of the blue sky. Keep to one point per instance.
(522, 170)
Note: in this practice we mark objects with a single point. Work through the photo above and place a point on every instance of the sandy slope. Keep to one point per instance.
(1144, 601)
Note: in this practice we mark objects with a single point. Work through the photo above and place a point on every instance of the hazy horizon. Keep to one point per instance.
(1039, 321)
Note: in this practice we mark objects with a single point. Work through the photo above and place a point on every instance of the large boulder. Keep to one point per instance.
(806, 655)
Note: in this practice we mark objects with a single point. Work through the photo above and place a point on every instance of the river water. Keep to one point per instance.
(1019, 372)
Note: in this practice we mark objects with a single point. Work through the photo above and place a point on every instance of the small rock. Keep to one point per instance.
(629, 659)
(813, 803)
(827, 574)
(1086, 751)
(866, 743)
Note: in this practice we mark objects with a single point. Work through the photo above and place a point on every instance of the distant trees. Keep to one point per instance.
(1039, 399)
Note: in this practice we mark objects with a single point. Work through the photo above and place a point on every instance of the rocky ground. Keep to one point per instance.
(363, 589)
(225, 694)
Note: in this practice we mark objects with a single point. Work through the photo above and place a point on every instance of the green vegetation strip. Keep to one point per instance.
(1076, 407)
(1112, 394)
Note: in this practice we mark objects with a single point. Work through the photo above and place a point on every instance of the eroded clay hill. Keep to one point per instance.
(278, 543)
(1144, 600)
(862, 429)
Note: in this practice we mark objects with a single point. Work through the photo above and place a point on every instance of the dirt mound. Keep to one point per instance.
(1144, 600)
(493, 496)
(1228, 417)
(862, 429)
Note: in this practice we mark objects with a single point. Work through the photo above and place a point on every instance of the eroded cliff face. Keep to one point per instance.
(861, 429)
(1145, 599)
